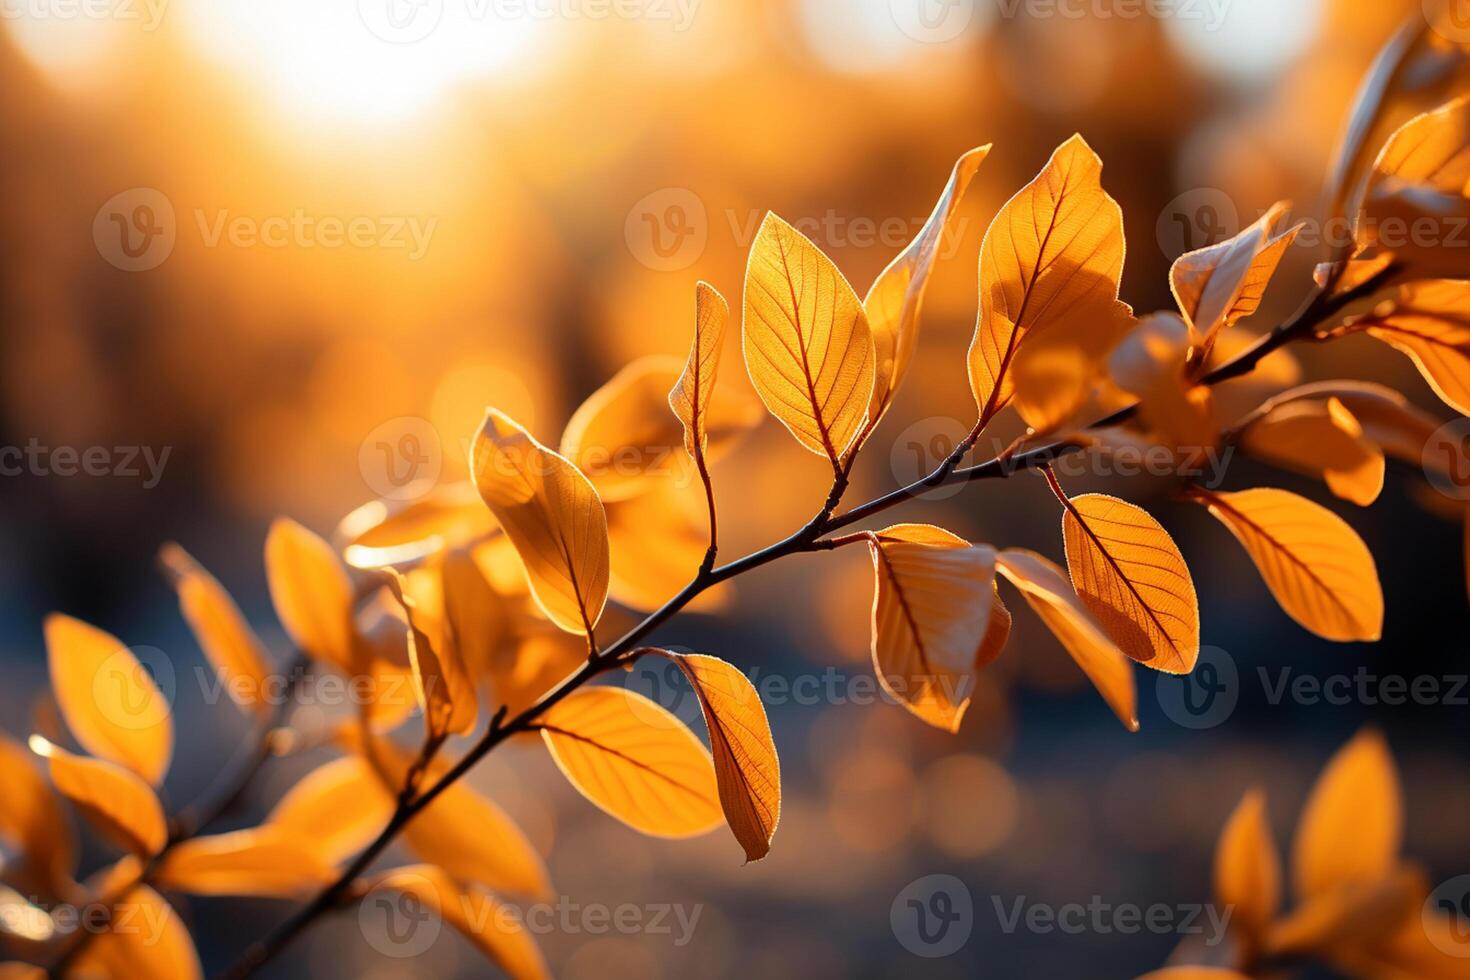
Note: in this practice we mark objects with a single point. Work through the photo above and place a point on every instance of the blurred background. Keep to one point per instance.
(244, 244)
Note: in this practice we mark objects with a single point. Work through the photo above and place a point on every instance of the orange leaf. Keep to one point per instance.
(692, 396)
(1323, 439)
(311, 592)
(932, 598)
(1388, 420)
(747, 769)
(445, 693)
(997, 632)
(658, 542)
(553, 516)
(1050, 264)
(32, 824)
(635, 761)
(1247, 870)
(1350, 829)
(1317, 567)
(1430, 322)
(157, 945)
(1152, 364)
(1130, 574)
(807, 344)
(262, 862)
(227, 640)
(1217, 285)
(381, 533)
(110, 702)
(896, 298)
(340, 807)
(1047, 591)
(116, 801)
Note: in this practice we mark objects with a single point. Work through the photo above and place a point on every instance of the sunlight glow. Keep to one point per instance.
(1247, 40)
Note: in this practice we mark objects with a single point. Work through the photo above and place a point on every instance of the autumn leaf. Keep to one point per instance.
(1130, 574)
(1340, 922)
(1248, 871)
(1049, 272)
(1430, 322)
(895, 300)
(624, 439)
(261, 862)
(382, 533)
(475, 614)
(1152, 363)
(109, 700)
(635, 761)
(227, 640)
(33, 826)
(806, 339)
(658, 543)
(1320, 438)
(553, 516)
(339, 806)
(1220, 284)
(312, 594)
(118, 803)
(692, 396)
(164, 949)
(932, 598)
(496, 931)
(997, 631)
(1388, 420)
(747, 769)
(445, 692)
(1316, 566)
(1350, 830)
(1050, 595)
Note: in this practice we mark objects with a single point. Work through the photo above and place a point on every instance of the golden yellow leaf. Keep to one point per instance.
(692, 394)
(381, 533)
(227, 640)
(658, 542)
(1050, 263)
(806, 340)
(1152, 364)
(156, 945)
(635, 761)
(476, 614)
(1316, 566)
(895, 300)
(553, 516)
(1238, 397)
(1352, 916)
(494, 929)
(312, 594)
(33, 826)
(1387, 418)
(747, 769)
(933, 593)
(1432, 150)
(462, 831)
(1248, 871)
(109, 700)
(624, 439)
(262, 862)
(445, 692)
(1351, 827)
(113, 799)
(1430, 322)
(340, 807)
(1217, 285)
(1320, 438)
(1130, 574)
(1048, 593)
(997, 631)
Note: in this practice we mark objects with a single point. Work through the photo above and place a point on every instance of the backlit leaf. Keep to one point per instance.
(1322, 439)
(1130, 574)
(1315, 565)
(1430, 322)
(1351, 827)
(1353, 916)
(1152, 364)
(33, 825)
(157, 944)
(806, 339)
(1217, 285)
(262, 862)
(895, 301)
(227, 640)
(692, 394)
(552, 515)
(658, 541)
(381, 533)
(340, 807)
(1388, 420)
(1247, 870)
(635, 760)
(495, 930)
(932, 598)
(1050, 594)
(445, 692)
(109, 700)
(997, 631)
(747, 769)
(1050, 264)
(311, 592)
(113, 799)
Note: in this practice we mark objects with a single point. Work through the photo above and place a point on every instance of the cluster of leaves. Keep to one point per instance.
(491, 593)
